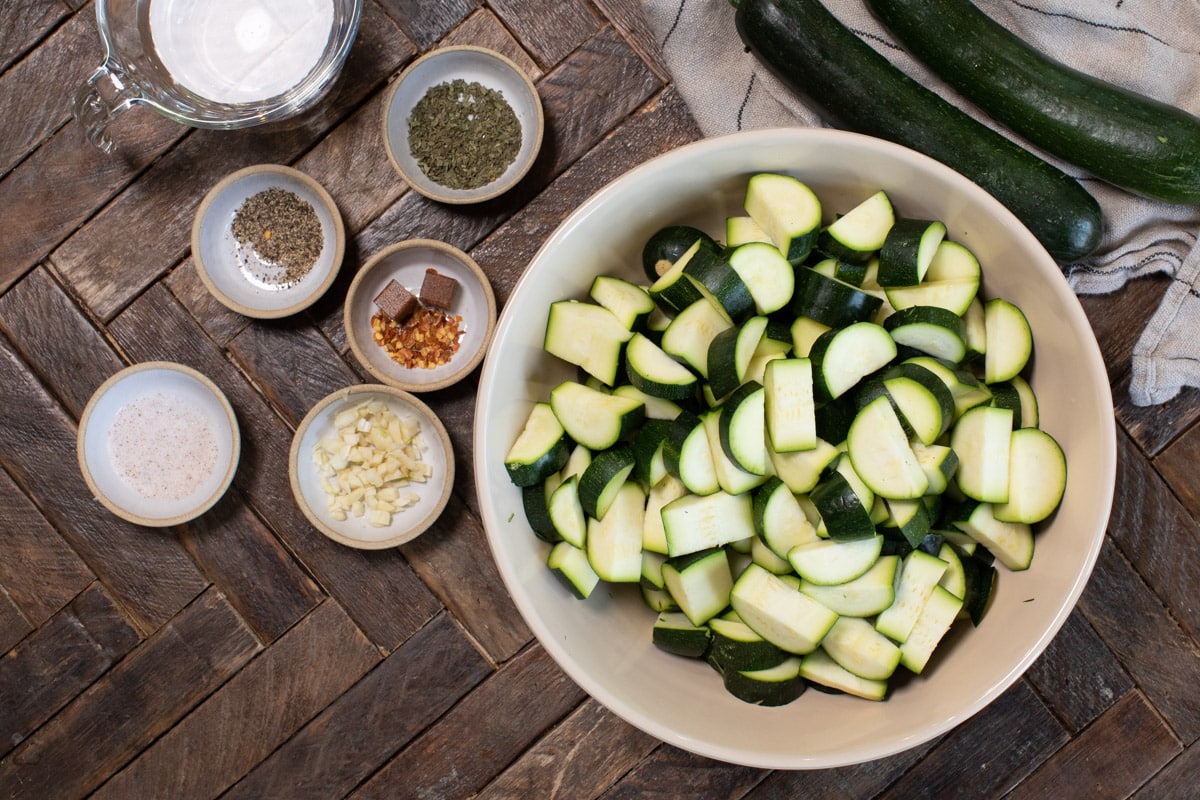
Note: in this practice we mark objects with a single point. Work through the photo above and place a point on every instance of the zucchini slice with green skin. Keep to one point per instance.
(700, 583)
(1009, 340)
(571, 565)
(859, 234)
(830, 301)
(586, 335)
(1037, 477)
(602, 480)
(614, 543)
(629, 303)
(908, 251)
(666, 245)
(787, 211)
(735, 646)
(778, 518)
(676, 634)
(1117, 135)
(742, 420)
(730, 353)
(879, 450)
(842, 511)
(779, 613)
(654, 535)
(843, 356)
(743, 230)
(801, 470)
(854, 643)
(716, 278)
(692, 331)
(732, 478)
(541, 448)
(829, 562)
(673, 290)
(656, 373)
(1010, 542)
(919, 574)
(566, 512)
(593, 418)
(857, 88)
(768, 276)
(982, 439)
(774, 686)
(818, 668)
(930, 330)
(789, 406)
(699, 522)
(865, 596)
(939, 613)
(537, 513)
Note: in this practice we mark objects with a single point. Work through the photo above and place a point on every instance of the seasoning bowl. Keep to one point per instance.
(308, 477)
(233, 270)
(473, 65)
(406, 263)
(158, 444)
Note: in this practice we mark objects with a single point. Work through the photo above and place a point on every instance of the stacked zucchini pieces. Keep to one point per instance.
(806, 445)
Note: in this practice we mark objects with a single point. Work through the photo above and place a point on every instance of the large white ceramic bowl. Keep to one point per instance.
(604, 643)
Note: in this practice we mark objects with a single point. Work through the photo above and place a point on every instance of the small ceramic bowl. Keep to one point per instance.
(233, 272)
(406, 263)
(158, 444)
(357, 531)
(472, 64)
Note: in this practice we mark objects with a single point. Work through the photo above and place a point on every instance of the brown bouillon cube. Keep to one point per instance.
(396, 302)
(438, 289)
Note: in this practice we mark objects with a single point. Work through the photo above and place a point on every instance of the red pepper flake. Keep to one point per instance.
(428, 339)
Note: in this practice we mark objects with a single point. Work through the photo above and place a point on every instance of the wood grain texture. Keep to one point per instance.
(132, 704)
(245, 655)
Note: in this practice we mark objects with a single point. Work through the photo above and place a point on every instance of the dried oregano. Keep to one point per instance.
(463, 135)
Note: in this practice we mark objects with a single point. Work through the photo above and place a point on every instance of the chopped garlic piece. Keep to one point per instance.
(370, 455)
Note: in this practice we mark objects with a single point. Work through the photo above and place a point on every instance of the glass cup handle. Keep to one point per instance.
(99, 100)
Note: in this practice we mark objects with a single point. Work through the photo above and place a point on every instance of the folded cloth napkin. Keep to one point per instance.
(1151, 47)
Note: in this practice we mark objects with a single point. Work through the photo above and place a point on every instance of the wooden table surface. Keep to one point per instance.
(245, 655)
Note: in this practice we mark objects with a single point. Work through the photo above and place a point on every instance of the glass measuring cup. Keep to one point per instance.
(214, 63)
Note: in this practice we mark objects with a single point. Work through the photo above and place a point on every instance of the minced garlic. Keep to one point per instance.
(367, 461)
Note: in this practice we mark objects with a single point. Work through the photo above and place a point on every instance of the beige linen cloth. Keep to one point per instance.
(1149, 46)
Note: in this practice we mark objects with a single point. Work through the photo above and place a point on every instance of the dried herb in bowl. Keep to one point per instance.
(463, 135)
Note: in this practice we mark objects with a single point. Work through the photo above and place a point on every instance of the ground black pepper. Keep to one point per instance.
(463, 135)
(283, 231)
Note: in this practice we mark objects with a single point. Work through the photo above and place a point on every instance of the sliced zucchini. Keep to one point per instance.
(844, 515)
(628, 302)
(829, 562)
(924, 414)
(1009, 340)
(699, 522)
(831, 301)
(939, 613)
(909, 519)
(566, 512)
(778, 612)
(801, 470)
(865, 596)
(673, 290)
(817, 667)
(730, 353)
(743, 229)
(1010, 542)
(735, 646)
(572, 567)
(700, 582)
(880, 453)
(939, 463)
(654, 535)
(604, 478)
(765, 557)
(787, 210)
(854, 644)
(696, 466)
(908, 250)
(919, 574)
(720, 282)
(541, 448)
(651, 370)
(843, 356)
(741, 420)
(779, 519)
(774, 686)
(858, 234)
(649, 451)
(614, 543)
(731, 477)
(537, 512)
(666, 245)
(656, 407)
(769, 277)
(593, 418)
(588, 336)
(789, 409)
(692, 331)
(982, 439)
(805, 331)
(930, 330)
(676, 634)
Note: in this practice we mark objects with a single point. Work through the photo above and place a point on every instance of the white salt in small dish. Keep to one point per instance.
(232, 271)
(406, 262)
(307, 479)
(158, 444)
(472, 64)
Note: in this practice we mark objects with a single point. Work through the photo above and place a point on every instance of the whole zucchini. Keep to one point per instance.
(1119, 136)
(858, 89)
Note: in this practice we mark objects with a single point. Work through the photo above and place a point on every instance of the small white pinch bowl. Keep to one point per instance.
(353, 531)
(406, 262)
(95, 450)
(472, 64)
(221, 264)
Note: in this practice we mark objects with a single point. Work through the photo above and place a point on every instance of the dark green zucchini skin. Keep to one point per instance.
(1119, 136)
(858, 89)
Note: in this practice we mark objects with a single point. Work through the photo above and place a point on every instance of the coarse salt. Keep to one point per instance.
(163, 446)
